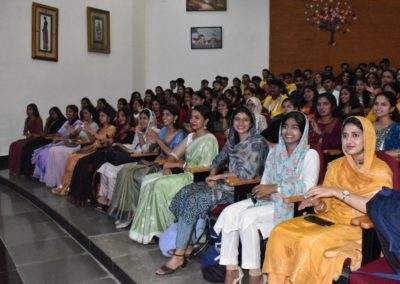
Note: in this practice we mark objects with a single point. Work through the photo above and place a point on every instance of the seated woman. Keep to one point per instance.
(70, 129)
(349, 103)
(244, 153)
(53, 123)
(295, 249)
(121, 185)
(291, 168)
(85, 168)
(387, 124)
(254, 105)
(152, 215)
(325, 128)
(102, 138)
(33, 128)
(58, 154)
(141, 144)
(221, 117)
(308, 101)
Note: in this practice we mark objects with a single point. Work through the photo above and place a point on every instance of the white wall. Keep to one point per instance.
(245, 29)
(77, 73)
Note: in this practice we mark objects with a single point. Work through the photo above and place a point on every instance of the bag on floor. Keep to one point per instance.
(210, 268)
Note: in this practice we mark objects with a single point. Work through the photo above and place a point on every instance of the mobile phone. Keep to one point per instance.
(317, 220)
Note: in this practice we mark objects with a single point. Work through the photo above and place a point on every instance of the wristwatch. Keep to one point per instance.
(345, 194)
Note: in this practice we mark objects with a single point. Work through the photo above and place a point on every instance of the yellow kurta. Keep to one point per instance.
(274, 106)
(295, 249)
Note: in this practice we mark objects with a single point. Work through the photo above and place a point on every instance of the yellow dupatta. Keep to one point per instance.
(365, 181)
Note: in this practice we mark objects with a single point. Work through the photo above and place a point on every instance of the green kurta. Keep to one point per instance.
(152, 216)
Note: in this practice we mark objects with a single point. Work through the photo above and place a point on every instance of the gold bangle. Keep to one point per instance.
(320, 208)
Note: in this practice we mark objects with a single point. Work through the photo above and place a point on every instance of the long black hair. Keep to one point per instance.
(332, 100)
(35, 110)
(354, 102)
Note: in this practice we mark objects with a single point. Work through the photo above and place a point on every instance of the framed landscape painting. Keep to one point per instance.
(44, 32)
(98, 30)
(205, 5)
(206, 37)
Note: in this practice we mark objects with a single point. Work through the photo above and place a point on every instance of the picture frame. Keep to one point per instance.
(98, 30)
(44, 32)
(206, 5)
(206, 37)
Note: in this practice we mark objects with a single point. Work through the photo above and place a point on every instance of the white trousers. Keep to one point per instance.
(242, 220)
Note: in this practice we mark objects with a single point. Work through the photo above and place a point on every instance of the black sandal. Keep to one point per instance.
(167, 270)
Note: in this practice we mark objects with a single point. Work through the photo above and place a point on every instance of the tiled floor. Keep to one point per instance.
(34, 249)
(136, 261)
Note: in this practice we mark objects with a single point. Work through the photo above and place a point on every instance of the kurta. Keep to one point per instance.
(295, 249)
(153, 216)
(33, 126)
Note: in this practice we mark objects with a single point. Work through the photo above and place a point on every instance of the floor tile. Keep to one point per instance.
(107, 280)
(72, 270)
(141, 268)
(6, 262)
(119, 244)
(44, 251)
(24, 218)
(29, 233)
(10, 278)
(16, 207)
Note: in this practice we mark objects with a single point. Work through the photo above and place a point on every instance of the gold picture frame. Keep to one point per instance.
(98, 30)
(44, 32)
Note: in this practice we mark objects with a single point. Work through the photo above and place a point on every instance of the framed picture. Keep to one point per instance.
(206, 37)
(44, 32)
(205, 5)
(98, 30)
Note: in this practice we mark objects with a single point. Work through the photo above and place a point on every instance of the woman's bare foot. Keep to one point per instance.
(231, 275)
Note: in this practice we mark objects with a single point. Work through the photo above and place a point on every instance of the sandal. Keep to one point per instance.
(167, 270)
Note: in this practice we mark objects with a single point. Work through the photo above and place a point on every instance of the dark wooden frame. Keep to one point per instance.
(104, 47)
(37, 9)
(194, 10)
(191, 32)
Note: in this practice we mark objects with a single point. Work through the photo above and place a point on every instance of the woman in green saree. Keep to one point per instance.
(152, 216)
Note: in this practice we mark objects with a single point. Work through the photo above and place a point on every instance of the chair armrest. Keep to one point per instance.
(144, 155)
(200, 169)
(333, 152)
(234, 181)
(363, 221)
(294, 199)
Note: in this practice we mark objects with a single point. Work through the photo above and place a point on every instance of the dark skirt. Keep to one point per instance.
(14, 155)
(81, 183)
(27, 152)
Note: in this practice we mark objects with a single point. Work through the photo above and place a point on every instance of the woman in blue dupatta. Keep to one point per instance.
(387, 126)
(152, 216)
(244, 153)
(291, 168)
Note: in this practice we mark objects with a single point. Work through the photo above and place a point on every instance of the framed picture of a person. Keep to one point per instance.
(44, 32)
(98, 30)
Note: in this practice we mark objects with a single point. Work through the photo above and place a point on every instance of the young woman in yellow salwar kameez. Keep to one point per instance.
(296, 249)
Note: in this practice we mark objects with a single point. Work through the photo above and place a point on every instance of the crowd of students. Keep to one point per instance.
(278, 128)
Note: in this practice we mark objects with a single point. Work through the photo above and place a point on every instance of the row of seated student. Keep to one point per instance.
(289, 155)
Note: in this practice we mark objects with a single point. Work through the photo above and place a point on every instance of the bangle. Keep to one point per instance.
(320, 208)
(184, 165)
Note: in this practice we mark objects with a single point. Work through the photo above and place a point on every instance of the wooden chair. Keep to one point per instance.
(371, 247)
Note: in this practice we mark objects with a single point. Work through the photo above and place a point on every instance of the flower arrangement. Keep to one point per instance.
(330, 15)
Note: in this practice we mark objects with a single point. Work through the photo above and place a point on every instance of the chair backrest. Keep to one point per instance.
(221, 138)
(394, 166)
